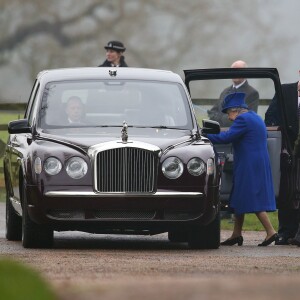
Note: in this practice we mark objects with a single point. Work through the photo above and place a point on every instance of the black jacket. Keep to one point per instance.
(288, 191)
(106, 63)
(273, 116)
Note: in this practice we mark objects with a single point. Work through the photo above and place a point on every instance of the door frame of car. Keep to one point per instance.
(277, 138)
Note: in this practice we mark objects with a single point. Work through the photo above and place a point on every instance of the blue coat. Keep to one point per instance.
(252, 189)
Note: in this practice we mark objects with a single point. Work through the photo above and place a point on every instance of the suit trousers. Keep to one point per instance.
(288, 222)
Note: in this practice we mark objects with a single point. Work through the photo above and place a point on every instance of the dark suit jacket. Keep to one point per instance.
(273, 116)
(251, 99)
(288, 192)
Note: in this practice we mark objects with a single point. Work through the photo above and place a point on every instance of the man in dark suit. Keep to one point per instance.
(75, 110)
(239, 85)
(288, 211)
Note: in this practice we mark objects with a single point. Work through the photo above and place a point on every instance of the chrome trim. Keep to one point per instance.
(124, 132)
(16, 204)
(93, 151)
(176, 145)
(68, 144)
(14, 200)
(123, 195)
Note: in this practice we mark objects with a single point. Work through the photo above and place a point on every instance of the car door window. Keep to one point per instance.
(207, 97)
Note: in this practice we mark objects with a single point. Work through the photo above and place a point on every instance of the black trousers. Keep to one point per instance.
(288, 222)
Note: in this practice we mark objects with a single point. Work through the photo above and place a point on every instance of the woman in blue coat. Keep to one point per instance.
(252, 190)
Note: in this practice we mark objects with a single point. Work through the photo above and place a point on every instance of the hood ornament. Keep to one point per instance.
(124, 132)
(112, 73)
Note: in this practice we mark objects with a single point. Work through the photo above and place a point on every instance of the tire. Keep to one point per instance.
(34, 235)
(178, 236)
(206, 237)
(13, 222)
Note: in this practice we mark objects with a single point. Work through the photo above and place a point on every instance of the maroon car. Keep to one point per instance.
(131, 161)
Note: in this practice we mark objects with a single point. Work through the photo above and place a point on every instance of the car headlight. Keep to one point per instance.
(76, 167)
(196, 166)
(52, 166)
(172, 167)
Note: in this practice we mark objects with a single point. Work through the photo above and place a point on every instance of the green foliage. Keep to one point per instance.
(5, 118)
(2, 194)
(18, 282)
(251, 222)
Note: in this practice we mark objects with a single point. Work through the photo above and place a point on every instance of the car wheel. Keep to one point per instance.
(34, 235)
(177, 236)
(206, 237)
(13, 222)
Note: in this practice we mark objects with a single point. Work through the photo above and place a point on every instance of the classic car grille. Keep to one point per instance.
(126, 170)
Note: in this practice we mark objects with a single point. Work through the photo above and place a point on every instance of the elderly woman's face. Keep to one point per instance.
(231, 114)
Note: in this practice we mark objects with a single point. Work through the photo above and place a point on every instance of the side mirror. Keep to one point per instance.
(19, 126)
(209, 126)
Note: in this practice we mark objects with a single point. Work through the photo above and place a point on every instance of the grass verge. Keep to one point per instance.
(251, 222)
(18, 282)
(2, 194)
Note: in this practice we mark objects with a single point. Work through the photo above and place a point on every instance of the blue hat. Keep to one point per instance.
(234, 100)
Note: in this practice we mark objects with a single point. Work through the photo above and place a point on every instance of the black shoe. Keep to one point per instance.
(281, 240)
(293, 241)
(232, 241)
(270, 240)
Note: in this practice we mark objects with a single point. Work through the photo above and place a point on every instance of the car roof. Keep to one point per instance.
(104, 73)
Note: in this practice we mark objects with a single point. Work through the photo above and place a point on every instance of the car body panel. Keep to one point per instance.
(64, 203)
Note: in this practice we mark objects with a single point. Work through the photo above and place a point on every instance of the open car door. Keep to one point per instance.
(207, 86)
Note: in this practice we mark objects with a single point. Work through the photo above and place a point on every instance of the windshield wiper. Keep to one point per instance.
(167, 127)
(106, 126)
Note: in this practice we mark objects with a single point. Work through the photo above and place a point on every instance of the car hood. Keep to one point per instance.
(87, 137)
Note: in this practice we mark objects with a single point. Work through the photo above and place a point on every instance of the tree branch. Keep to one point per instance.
(55, 29)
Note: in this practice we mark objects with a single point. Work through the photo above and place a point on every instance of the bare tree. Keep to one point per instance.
(171, 34)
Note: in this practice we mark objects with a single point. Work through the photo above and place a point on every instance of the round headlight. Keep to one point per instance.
(76, 167)
(52, 166)
(172, 167)
(196, 166)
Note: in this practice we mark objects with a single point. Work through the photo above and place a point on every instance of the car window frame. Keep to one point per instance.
(229, 73)
(29, 115)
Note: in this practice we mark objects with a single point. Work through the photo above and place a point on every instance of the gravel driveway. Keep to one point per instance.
(85, 266)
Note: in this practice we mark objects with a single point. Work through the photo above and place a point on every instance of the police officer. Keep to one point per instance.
(114, 55)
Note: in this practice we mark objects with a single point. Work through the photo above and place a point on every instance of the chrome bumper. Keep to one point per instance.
(124, 195)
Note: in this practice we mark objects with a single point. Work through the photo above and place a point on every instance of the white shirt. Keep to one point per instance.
(239, 85)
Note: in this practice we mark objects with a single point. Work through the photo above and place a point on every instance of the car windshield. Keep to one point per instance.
(110, 103)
